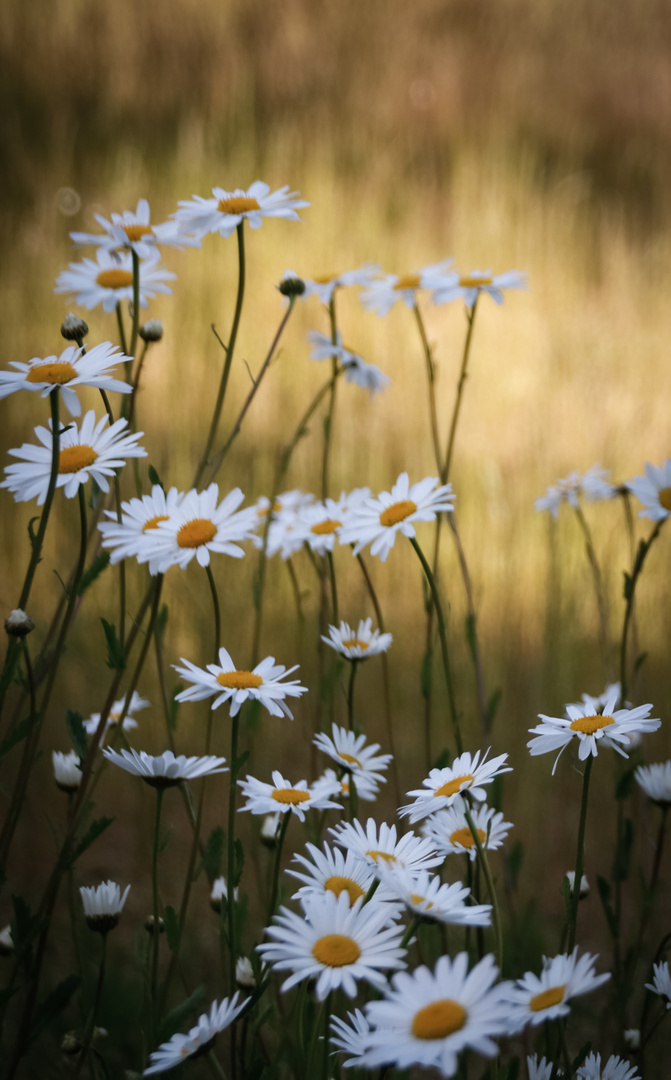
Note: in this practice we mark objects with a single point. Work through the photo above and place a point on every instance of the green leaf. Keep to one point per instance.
(177, 1017)
(239, 863)
(240, 761)
(605, 893)
(213, 854)
(54, 1004)
(566, 895)
(75, 726)
(95, 829)
(161, 622)
(154, 478)
(116, 654)
(580, 1056)
(627, 586)
(94, 571)
(18, 733)
(471, 636)
(172, 928)
(425, 674)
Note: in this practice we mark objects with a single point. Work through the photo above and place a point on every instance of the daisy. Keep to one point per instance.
(228, 209)
(375, 847)
(334, 943)
(368, 376)
(661, 983)
(128, 538)
(318, 524)
(468, 287)
(596, 704)
(351, 1038)
(442, 786)
(428, 1018)
(285, 797)
(285, 532)
(593, 485)
(228, 684)
(611, 727)
(74, 367)
(450, 833)
(6, 941)
(615, 1068)
(67, 771)
(134, 232)
(103, 905)
(539, 1070)
(377, 520)
(655, 781)
(329, 870)
(324, 286)
(365, 787)
(632, 1038)
(129, 722)
(108, 280)
(383, 292)
(425, 895)
(93, 450)
(198, 526)
(165, 770)
(653, 490)
(199, 1040)
(535, 998)
(360, 644)
(352, 754)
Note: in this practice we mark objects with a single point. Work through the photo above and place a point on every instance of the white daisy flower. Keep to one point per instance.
(67, 771)
(382, 293)
(539, 1070)
(282, 796)
(376, 847)
(103, 905)
(334, 943)
(468, 287)
(653, 490)
(358, 644)
(94, 450)
(317, 525)
(323, 286)
(616, 1068)
(108, 280)
(442, 786)
(428, 1018)
(655, 781)
(329, 870)
(535, 998)
(166, 769)
(612, 727)
(134, 232)
(593, 485)
(352, 754)
(244, 973)
(129, 722)
(128, 538)
(74, 367)
(285, 533)
(424, 894)
(365, 787)
(271, 824)
(450, 834)
(227, 209)
(661, 983)
(351, 1038)
(198, 526)
(199, 1040)
(264, 684)
(368, 376)
(376, 521)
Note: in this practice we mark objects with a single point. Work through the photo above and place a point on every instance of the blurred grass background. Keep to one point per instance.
(523, 133)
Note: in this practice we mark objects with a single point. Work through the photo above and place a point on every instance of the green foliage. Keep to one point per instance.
(154, 478)
(54, 1004)
(95, 829)
(172, 928)
(75, 726)
(116, 654)
(100, 563)
(18, 733)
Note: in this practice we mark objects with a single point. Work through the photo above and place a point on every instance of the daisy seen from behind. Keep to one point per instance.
(165, 770)
(225, 683)
(377, 521)
(135, 704)
(655, 782)
(351, 1038)
(199, 526)
(108, 280)
(593, 485)
(468, 287)
(536, 998)
(450, 833)
(103, 905)
(200, 1038)
(74, 367)
(133, 231)
(467, 773)
(284, 797)
(323, 286)
(67, 770)
(368, 376)
(225, 210)
(653, 490)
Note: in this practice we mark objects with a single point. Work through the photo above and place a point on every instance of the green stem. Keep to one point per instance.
(136, 301)
(598, 582)
(154, 1003)
(580, 857)
(431, 382)
(631, 535)
(217, 612)
(90, 1027)
(232, 944)
(470, 316)
(276, 867)
(410, 930)
(330, 416)
(486, 870)
(350, 694)
(122, 341)
(334, 589)
(473, 642)
(629, 591)
(136, 386)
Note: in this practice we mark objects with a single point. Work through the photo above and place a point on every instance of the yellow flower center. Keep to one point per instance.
(415, 898)
(547, 999)
(350, 760)
(439, 1019)
(153, 522)
(354, 643)
(73, 458)
(384, 855)
(338, 884)
(474, 281)
(336, 950)
(587, 725)
(453, 786)
(325, 528)
(397, 512)
(114, 279)
(464, 837)
(407, 281)
(51, 373)
(136, 232)
(665, 498)
(237, 204)
(239, 680)
(196, 532)
(290, 795)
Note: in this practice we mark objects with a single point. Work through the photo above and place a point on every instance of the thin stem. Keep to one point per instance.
(580, 857)
(136, 301)
(350, 694)
(470, 316)
(598, 582)
(431, 380)
(217, 612)
(154, 1003)
(90, 1026)
(473, 642)
(631, 535)
(484, 863)
(136, 386)
(650, 893)
(334, 589)
(276, 867)
(410, 930)
(629, 592)
(232, 944)
(122, 340)
(330, 416)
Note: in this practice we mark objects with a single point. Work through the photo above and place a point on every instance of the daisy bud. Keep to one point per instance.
(103, 905)
(219, 892)
(18, 624)
(584, 884)
(269, 831)
(291, 286)
(71, 1043)
(6, 941)
(73, 328)
(149, 924)
(244, 973)
(151, 331)
(632, 1038)
(67, 772)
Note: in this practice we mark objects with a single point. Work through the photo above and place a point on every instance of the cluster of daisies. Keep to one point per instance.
(653, 490)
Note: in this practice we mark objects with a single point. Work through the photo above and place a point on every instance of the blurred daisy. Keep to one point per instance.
(467, 287)
(324, 285)
(383, 292)
(334, 943)
(593, 485)
(264, 684)
(286, 532)
(351, 753)
(539, 1070)
(596, 704)
(318, 523)
(661, 983)
(103, 905)
(365, 787)
(442, 786)
(612, 727)
(74, 367)
(324, 348)
(535, 998)
(134, 232)
(92, 451)
(382, 846)
(128, 537)
(655, 781)
(632, 1038)
(357, 370)
(67, 770)
(428, 1018)
(108, 280)
(329, 870)
(616, 1068)
(129, 722)
(198, 526)
(450, 833)
(350, 1038)
(424, 894)
(360, 644)
(199, 1040)
(653, 490)
(282, 796)
(227, 209)
(165, 770)
(378, 520)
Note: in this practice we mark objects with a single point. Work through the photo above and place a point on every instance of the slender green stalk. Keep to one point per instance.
(350, 694)
(232, 943)
(431, 382)
(334, 588)
(652, 886)
(279, 843)
(486, 870)
(598, 582)
(155, 937)
(631, 536)
(629, 591)
(580, 857)
(90, 1026)
(122, 341)
(410, 930)
(470, 316)
(217, 612)
(473, 641)
(327, 1017)
(561, 1038)
(330, 416)
(136, 301)
(136, 385)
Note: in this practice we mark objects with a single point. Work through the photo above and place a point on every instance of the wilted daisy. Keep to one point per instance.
(166, 769)
(103, 905)
(67, 770)
(468, 287)
(200, 1038)
(350, 1038)
(450, 833)
(539, 1070)
(616, 1068)
(653, 490)
(199, 525)
(74, 367)
(128, 538)
(285, 797)
(264, 684)
(92, 451)
(376, 845)
(442, 786)
(227, 209)
(136, 703)
(661, 983)
(593, 485)
(612, 727)
(359, 644)
(377, 521)
(535, 998)
(108, 280)
(383, 292)
(655, 781)
(329, 870)
(352, 754)
(428, 1018)
(425, 895)
(323, 286)
(133, 231)
(334, 943)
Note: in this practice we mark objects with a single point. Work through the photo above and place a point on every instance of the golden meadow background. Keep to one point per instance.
(524, 133)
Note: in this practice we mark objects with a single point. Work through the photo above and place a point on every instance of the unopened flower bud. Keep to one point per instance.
(73, 328)
(67, 772)
(149, 924)
(71, 1043)
(18, 624)
(6, 941)
(632, 1038)
(244, 973)
(151, 331)
(584, 884)
(219, 891)
(291, 285)
(269, 830)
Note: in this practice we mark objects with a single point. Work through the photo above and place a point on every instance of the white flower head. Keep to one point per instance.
(284, 797)
(536, 998)
(376, 521)
(225, 683)
(377, 845)
(468, 287)
(199, 1039)
(73, 368)
(359, 644)
(132, 536)
(286, 531)
(323, 286)
(103, 905)
(219, 892)
(632, 1038)
(384, 291)
(425, 894)
(467, 773)
(351, 753)
(616, 1068)
(351, 1038)
(363, 784)
(6, 941)
(108, 280)
(166, 770)
(198, 526)
(661, 983)
(67, 770)
(653, 490)
(593, 485)
(329, 870)
(136, 703)
(133, 231)
(225, 210)
(450, 833)
(655, 781)
(539, 1070)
